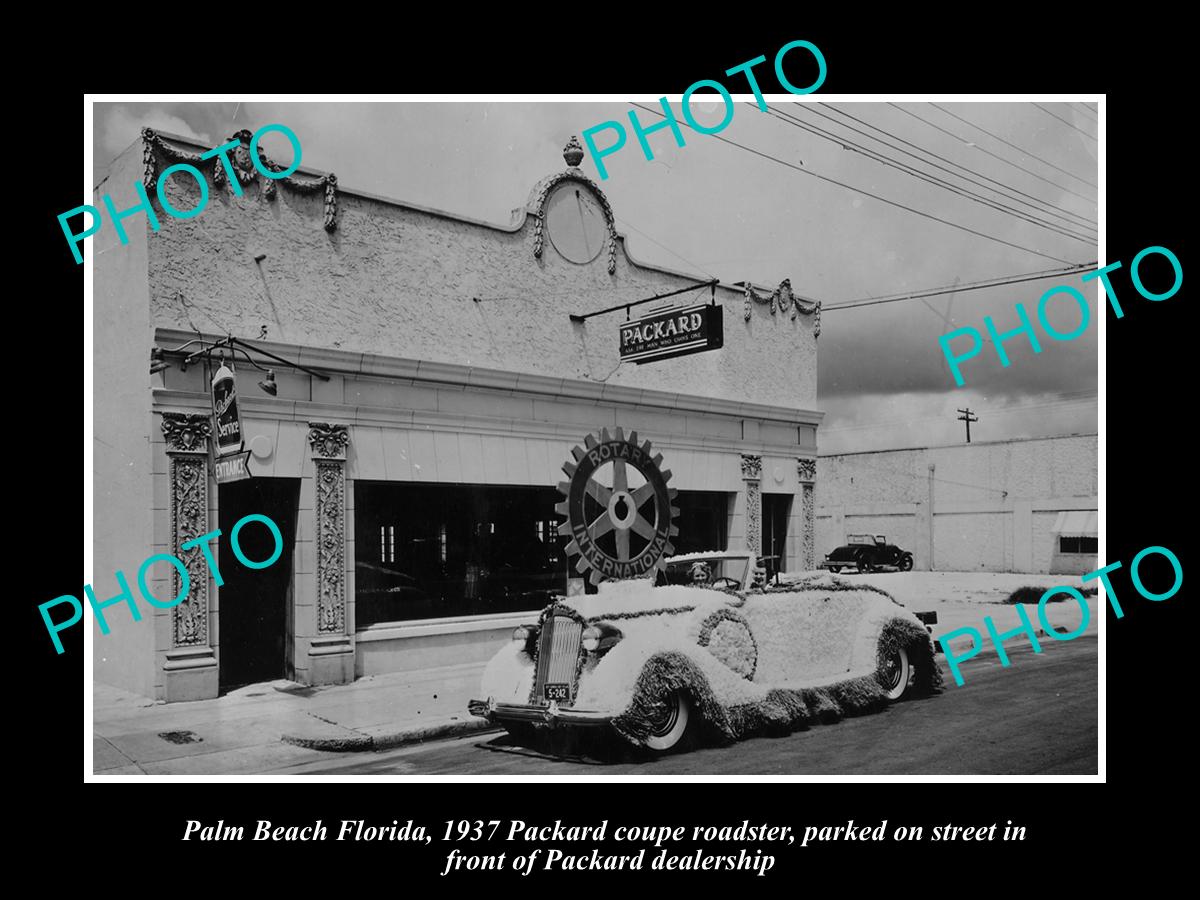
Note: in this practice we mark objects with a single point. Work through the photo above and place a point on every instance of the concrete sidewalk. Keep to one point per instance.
(263, 727)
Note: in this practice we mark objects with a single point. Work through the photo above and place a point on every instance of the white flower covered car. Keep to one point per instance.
(721, 656)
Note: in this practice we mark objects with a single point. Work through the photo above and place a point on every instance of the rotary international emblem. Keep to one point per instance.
(618, 507)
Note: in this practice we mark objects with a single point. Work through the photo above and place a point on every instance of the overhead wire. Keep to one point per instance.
(679, 256)
(941, 417)
(1057, 211)
(1064, 121)
(1011, 144)
(865, 193)
(988, 152)
(848, 144)
(953, 289)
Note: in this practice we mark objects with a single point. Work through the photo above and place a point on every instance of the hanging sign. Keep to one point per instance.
(232, 468)
(674, 332)
(227, 424)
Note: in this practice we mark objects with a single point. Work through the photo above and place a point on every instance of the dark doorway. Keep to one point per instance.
(255, 609)
(775, 509)
(702, 521)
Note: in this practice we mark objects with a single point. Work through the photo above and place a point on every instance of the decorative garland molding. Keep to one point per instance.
(784, 299)
(243, 167)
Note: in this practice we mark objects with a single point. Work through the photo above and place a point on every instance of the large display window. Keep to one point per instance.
(426, 551)
(430, 551)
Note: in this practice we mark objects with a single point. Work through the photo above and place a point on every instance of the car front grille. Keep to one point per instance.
(558, 656)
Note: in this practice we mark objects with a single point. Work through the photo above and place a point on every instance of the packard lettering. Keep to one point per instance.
(674, 332)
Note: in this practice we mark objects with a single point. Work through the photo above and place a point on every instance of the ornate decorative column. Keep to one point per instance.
(806, 469)
(191, 664)
(331, 650)
(752, 475)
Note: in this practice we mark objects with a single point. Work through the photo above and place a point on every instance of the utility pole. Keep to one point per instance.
(968, 418)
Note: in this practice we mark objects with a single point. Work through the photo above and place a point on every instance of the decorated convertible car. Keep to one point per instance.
(710, 651)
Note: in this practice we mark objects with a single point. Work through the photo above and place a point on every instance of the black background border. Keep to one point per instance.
(1139, 66)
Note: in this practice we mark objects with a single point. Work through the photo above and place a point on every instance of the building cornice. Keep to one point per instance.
(442, 374)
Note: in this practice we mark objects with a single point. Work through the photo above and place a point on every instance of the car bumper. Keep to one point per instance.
(549, 716)
(838, 564)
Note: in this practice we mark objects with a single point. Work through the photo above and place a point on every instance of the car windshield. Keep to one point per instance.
(705, 570)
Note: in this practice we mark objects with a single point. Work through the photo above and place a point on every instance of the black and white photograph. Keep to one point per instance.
(732, 434)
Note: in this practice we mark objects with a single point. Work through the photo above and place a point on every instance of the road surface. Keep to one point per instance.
(1036, 717)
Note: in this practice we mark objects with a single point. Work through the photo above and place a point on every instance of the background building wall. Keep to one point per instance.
(994, 503)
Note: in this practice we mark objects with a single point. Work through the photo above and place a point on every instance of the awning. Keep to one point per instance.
(1076, 523)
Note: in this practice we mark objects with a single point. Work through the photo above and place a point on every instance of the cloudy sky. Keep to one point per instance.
(715, 209)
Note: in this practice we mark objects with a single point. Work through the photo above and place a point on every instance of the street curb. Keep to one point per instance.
(392, 739)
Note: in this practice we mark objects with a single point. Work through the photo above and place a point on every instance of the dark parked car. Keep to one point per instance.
(867, 552)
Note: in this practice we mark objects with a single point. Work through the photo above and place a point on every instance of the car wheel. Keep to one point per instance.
(667, 730)
(895, 673)
(906, 562)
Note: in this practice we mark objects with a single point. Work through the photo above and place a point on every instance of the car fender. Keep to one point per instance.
(617, 678)
(508, 676)
(886, 622)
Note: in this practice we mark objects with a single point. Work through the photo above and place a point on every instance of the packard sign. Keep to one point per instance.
(675, 332)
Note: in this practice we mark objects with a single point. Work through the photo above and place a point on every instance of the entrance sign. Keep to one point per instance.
(226, 422)
(674, 332)
(232, 468)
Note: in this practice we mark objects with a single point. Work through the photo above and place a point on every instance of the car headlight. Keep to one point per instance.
(523, 633)
(599, 637)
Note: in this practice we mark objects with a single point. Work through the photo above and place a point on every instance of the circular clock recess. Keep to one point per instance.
(576, 223)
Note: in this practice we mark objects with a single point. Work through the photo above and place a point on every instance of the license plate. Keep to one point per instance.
(557, 691)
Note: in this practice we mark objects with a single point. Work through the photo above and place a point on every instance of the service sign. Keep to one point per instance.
(232, 468)
(226, 422)
(674, 332)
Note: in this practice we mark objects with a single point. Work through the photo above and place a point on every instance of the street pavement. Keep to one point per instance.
(1038, 716)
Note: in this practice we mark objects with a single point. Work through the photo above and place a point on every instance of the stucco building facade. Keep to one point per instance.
(996, 506)
(428, 383)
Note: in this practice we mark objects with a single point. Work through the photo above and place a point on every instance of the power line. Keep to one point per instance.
(952, 289)
(1011, 144)
(869, 194)
(890, 470)
(629, 224)
(1064, 121)
(847, 144)
(1087, 109)
(1067, 215)
(988, 152)
(941, 417)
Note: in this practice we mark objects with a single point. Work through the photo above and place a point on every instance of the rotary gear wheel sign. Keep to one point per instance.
(618, 531)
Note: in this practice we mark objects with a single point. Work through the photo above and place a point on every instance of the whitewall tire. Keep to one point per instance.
(667, 732)
(895, 674)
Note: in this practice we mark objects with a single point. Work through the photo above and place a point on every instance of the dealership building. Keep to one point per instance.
(410, 383)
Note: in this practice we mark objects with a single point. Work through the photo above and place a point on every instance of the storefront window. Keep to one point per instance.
(455, 550)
